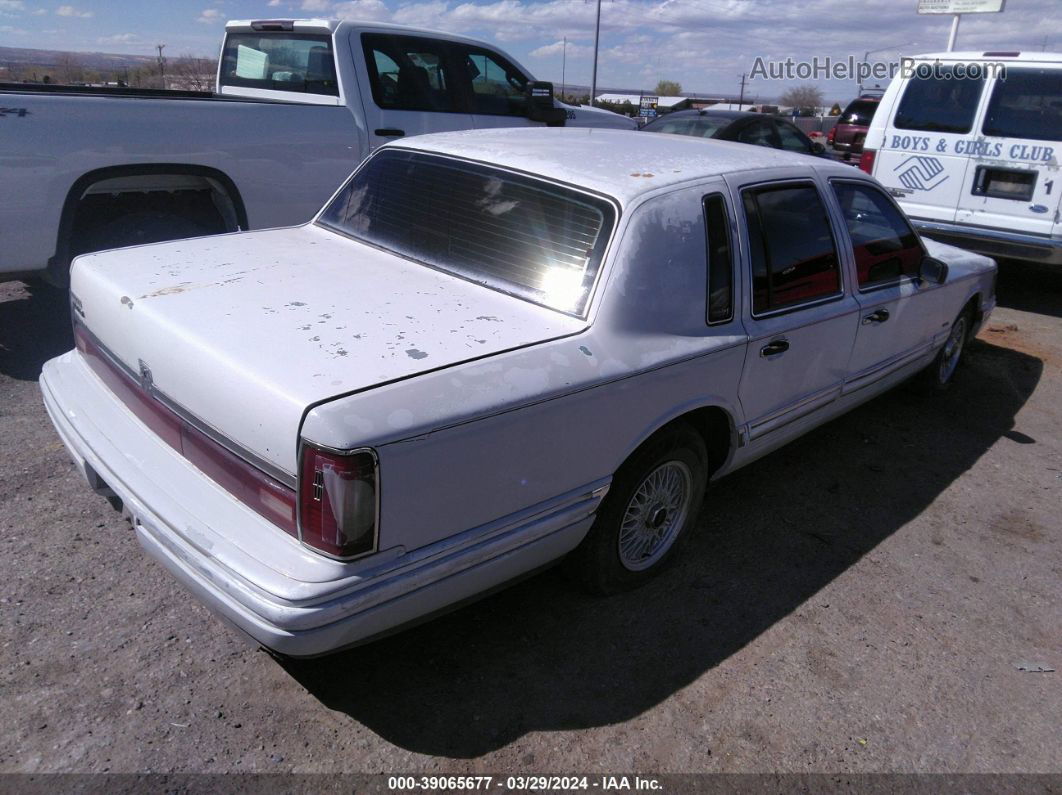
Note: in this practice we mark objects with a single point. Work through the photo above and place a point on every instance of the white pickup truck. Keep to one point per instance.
(298, 104)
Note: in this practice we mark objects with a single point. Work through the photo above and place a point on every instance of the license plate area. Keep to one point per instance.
(1004, 183)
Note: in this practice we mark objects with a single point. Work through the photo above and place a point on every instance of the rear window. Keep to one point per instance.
(526, 237)
(859, 111)
(297, 62)
(939, 103)
(702, 126)
(1027, 104)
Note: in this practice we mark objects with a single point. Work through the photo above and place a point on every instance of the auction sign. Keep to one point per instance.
(960, 6)
(647, 107)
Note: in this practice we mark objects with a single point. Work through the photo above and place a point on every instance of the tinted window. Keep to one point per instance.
(859, 111)
(759, 133)
(720, 262)
(1028, 104)
(497, 87)
(791, 247)
(938, 104)
(792, 139)
(533, 239)
(409, 73)
(282, 62)
(885, 246)
(700, 126)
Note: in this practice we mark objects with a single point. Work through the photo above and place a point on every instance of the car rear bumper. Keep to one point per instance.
(994, 242)
(261, 580)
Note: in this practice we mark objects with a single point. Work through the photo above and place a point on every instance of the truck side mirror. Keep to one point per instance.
(540, 105)
(933, 271)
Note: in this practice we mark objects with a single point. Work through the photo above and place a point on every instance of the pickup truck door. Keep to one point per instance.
(1012, 180)
(922, 160)
(896, 318)
(800, 318)
(410, 86)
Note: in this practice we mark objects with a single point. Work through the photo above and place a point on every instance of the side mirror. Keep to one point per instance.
(818, 148)
(540, 105)
(933, 271)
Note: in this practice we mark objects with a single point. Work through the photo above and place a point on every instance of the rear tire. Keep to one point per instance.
(647, 515)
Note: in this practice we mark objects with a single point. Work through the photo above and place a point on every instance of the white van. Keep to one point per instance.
(974, 160)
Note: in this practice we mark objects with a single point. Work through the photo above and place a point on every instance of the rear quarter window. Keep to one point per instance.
(939, 103)
(1027, 104)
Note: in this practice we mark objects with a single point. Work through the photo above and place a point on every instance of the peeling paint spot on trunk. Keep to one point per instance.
(127, 301)
(413, 353)
(585, 350)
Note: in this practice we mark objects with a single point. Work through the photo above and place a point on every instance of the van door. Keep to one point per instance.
(919, 161)
(410, 86)
(1012, 181)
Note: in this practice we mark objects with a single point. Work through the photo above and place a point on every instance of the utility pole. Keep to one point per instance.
(741, 99)
(597, 37)
(564, 61)
(162, 63)
(954, 32)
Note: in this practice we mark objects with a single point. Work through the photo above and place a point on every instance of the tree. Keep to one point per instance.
(668, 88)
(806, 99)
(191, 73)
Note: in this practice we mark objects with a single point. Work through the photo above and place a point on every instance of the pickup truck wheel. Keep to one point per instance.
(653, 502)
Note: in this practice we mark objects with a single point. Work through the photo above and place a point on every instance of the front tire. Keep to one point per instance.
(939, 375)
(648, 513)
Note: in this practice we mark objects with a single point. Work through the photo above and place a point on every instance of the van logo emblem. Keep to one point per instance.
(920, 172)
(146, 382)
(1038, 208)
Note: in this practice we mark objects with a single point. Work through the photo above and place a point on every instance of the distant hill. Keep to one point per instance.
(45, 59)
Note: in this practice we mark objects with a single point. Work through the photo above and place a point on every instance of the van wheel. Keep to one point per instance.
(653, 502)
(939, 374)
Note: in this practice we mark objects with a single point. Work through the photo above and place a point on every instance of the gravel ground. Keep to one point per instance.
(862, 600)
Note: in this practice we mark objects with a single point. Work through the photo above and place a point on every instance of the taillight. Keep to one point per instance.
(866, 161)
(832, 134)
(338, 501)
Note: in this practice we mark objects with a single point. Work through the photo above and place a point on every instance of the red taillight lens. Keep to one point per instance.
(832, 134)
(866, 161)
(337, 501)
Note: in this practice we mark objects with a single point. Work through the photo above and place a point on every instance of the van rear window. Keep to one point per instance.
(298, 62)
(533, 239)
(940, 102)
(1028, 104)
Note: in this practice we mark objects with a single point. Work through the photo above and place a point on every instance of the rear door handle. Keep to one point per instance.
(392, 132)
(876, 317)
(774, 348)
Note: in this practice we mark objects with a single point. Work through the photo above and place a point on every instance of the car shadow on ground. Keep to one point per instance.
(542, 656)
(34, 327)
(1030, 287)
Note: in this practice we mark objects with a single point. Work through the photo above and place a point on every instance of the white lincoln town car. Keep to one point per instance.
(490, 351)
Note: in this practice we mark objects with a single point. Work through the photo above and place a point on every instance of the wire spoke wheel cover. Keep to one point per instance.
(949, 360)
(655, 515)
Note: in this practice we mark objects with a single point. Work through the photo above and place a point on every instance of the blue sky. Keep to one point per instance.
(704, 44)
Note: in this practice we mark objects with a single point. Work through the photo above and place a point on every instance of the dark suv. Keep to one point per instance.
(851, 129)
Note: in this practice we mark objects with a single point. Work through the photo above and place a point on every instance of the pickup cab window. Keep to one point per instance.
(885, 247)
(409, 73)
(529, 238)
(794, 258)
(497, 87)
(297, 62)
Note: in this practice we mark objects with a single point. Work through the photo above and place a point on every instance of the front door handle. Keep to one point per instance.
(876, 317)
(389, 132)
(774, 348)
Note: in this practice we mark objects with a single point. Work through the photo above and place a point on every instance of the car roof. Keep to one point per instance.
(623, 164)
(705, 112)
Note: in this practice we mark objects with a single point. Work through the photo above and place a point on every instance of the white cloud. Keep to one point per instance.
(11, 7)
(13, 30)
(315, 5)
(71, 11)
(119, 38)
(40, 12)
(273, 3)
(558, 48)
(209, 15)
(365, 10)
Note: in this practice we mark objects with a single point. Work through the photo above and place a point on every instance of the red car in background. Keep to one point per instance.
(851, 129)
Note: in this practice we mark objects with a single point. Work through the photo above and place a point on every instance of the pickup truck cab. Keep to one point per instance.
(490, 350)
(298, 104)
